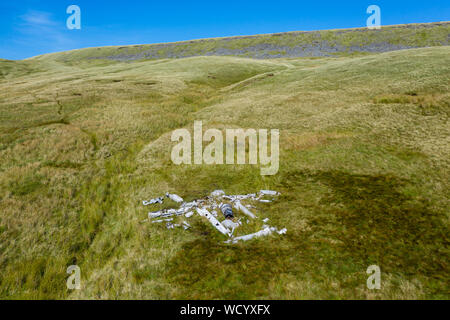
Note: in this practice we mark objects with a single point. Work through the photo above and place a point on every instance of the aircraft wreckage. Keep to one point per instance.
(208, 209)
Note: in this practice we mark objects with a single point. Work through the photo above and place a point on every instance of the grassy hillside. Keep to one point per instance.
(364, 175)
(326, 43)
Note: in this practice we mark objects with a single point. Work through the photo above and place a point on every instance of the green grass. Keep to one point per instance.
(364, 171)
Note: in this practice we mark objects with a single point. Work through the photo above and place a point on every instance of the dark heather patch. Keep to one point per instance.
(380, 224)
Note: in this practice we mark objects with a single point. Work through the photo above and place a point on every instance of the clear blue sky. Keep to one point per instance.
(33, 27)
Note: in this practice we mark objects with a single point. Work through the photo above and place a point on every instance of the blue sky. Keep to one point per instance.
(33, 27)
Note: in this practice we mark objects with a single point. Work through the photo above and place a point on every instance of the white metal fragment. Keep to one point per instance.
(164, 213)
(189, 214)
(282, 231)
(174, 197)
(162, 220)
(155, 214)
(189, 204)
(265, 220)
(186, 225)
(169, 225)
(269, 192)
(234, 198)
(227, 223)
(205, 213)
(244, 210)
(152, 201)
(261, 233)
(217, 193)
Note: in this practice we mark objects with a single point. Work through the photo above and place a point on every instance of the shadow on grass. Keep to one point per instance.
(374, 223)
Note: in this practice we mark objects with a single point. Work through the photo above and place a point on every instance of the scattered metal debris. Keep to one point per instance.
(209, 207)
(173, 197)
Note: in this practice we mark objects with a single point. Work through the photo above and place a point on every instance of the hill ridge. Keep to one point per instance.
(292, 44)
